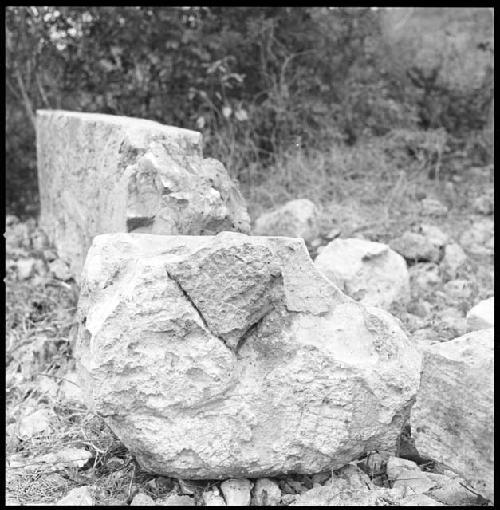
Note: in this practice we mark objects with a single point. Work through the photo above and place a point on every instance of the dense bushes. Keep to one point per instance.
(258, 82)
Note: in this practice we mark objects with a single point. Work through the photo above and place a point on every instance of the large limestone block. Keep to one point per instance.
(453, 416)
(296, 218)
(369, 272)
(104, 173)
(232, 356)
(482, 315)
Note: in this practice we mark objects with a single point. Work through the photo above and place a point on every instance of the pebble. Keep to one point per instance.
(142, 499)
(266, 492)
(81, 496)
(236, 491)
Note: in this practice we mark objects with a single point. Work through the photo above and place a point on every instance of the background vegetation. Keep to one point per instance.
(270, 88)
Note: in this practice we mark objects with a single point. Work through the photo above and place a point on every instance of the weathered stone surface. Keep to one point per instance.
(453, 417)
(236, 491)
(482, 316)
(433, 207)
(479, 238)
(176, 500)
(417, 500)
(81, 496)
(406, 474)
(453, 260)
(349, 487)
(212, 497)
(266, 492)
(484, 204)
(233, 356)
(416, 247)
(142, 499)
(296, 218)
(451, 491)
(369, 272)
(104, 173)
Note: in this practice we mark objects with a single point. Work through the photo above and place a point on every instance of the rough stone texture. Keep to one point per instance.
(417, 500)
(453, 417)
(266, 492)
(212, 497)
(451, 491)
(104, 173)
(416, 247)
(176, 500)
(236, 491)
(142, 499)
(433, 207)
(479, 238)
(81, 496)
(369, 272)
(233, 356)
(349, 487)
(406, 474)
(454, 259)
(296, 218)
(482, 316)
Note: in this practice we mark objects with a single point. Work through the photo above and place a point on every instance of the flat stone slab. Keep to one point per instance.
(104, 173)
(452, 419)
(232, 356)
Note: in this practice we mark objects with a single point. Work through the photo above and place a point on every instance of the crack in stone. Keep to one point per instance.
(243, 336)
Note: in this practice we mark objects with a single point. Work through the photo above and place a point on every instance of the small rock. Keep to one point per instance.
(236, 491)
(479, 238)
(70, 389)
(433, 207)
(415, 247)
(484, 204)
(188, 488)
(459, 289)
(424, 277)
(288, 499)
(142, 499)
(40, 240)
(25, 268)
(482, 315)
(453, 319)
(81, 496)
(176, 500)
(332, 234)
(434, 234)
(213, 498)
(68, 457)
(316, 243)
(419, 500)
(368, 272)
(266, 492)
(320, 478)
(420, 308)
(375, 463)
(405, 473)
(49, 254)
(451, 491)
(453, 260)
(38, 422)
(425, 335)
(60, 270)
(296, 218)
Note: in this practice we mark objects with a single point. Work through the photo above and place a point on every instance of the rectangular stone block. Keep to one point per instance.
(453, 416)
(103, 173)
